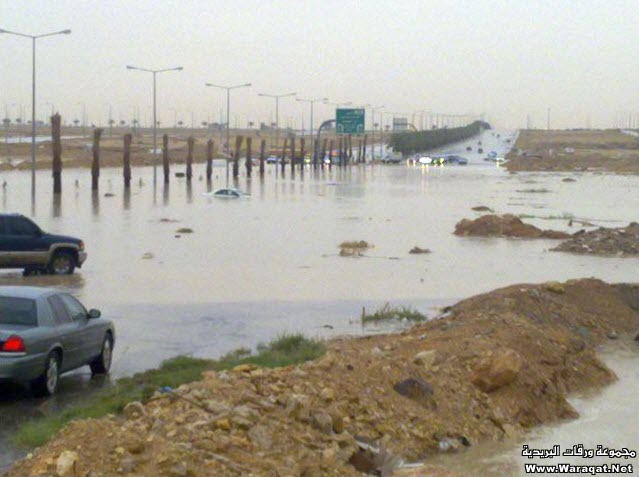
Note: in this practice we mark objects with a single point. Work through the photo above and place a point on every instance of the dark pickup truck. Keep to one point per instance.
(24, 245)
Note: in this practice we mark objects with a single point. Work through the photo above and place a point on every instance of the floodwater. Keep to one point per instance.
(253, 268)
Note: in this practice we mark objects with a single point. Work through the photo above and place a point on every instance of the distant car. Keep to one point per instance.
(46, 332)
(272, 160)
(229, 194)
(24, 245)
(459, 160)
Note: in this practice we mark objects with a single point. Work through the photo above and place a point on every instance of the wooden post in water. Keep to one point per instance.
(189, 158)
(209, 159)
(165, 157)
(293, 154)
(127, 160)
(316, 154)
(236, 158)
(302, 152)
(262, 156)
(282, 159)
(330, 154)
(95, 165)
(57, 153)
(249, 163)
(364, 149)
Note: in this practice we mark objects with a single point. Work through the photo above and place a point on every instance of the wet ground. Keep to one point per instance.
(257, 267)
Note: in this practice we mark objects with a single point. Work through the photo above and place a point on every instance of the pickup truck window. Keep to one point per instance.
(60, 314)
(18, 311)
(20, 226)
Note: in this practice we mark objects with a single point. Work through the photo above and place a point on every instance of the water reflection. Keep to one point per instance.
(95, 202)
(126, 199)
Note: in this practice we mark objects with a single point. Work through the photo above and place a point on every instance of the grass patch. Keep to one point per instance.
(534, 191)
(184, 230)
(390, 313)
(285, 350)
(547, 217)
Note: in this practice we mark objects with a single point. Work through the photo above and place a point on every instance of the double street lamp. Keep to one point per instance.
(155, 122)
(228, 118)
(33, 95)
(312, 102)
(277, 112)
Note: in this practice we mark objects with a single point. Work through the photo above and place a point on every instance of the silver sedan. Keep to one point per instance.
(46, 332)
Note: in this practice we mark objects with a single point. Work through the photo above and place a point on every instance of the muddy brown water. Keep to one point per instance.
(257, 267)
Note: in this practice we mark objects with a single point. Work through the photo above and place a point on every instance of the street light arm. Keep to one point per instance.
(176, 68)
(61, 32)
(2, 30)
(129, 67)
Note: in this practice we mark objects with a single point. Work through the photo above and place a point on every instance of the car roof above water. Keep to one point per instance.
(26, 292)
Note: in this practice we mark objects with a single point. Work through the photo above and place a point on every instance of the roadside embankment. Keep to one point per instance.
(492, 366)
(606, 150)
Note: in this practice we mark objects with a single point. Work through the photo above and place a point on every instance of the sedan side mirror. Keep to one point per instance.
(93, 313)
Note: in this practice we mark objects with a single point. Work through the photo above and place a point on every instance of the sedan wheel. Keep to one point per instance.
(52, 375)
(47, 383)
(102, 363)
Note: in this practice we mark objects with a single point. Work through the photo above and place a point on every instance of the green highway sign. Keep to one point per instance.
(349, 121)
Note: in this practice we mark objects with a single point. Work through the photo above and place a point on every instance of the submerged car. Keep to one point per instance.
(229, 194)
(25, 245)
(459, 160)
(45, 332)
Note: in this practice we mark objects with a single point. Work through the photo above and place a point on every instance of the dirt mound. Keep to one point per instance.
(494, 365)
(506, 225)
(618, 242)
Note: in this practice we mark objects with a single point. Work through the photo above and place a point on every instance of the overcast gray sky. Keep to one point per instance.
(506, 59)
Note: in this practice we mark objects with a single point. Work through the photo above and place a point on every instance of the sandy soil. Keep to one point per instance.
(594, 150)
(494, 366)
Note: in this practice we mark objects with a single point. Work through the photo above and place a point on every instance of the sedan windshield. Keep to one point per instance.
(18, 311)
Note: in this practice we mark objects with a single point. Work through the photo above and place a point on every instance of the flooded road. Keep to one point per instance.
(253, 268)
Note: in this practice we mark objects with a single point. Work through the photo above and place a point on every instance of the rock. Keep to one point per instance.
(297, 407)
(66, 463)
(109, 194)
(609, 242)
(414, 388)
(496, 371)
(128, 464)
(260, 436)
(179, 470)
(134, 410)
(322, 421)
(448, 444)
(148, 255)
(555, 287)
(244, 368)
(327, 394)
(223, 424)
(482, 208)
(426, 358)
(418, 250)
(613, 335)
(569, 179)
(338, 423)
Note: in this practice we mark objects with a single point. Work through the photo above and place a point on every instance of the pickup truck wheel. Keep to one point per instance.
(62, 263)
(102, 363)
(47, 383)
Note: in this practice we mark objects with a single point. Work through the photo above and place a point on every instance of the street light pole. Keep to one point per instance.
(312, 102)
(277, 112)
(33, 95)
(228, 118)
(155, 122)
